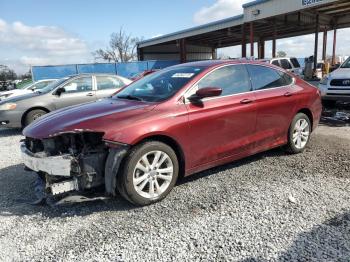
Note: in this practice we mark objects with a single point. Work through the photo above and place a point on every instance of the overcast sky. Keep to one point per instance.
(40, 32)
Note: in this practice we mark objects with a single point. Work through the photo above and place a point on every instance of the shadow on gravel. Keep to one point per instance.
(6, 132)
(17, 192)
(241, 162)
(329, 241)
(337, 116)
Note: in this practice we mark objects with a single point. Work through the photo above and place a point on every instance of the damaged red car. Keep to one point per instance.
(172, 123)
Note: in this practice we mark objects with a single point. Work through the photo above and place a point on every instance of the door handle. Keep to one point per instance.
(89, 94)
(287, 94)
(246, 101)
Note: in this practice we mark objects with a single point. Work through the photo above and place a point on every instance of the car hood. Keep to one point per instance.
(105, 116)
(20, 97)
(341, 73)
(16, 92)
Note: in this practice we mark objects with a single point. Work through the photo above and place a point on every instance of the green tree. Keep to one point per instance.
(281, 54)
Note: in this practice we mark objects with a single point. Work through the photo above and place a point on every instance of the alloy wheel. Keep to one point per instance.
(301, 133)
(153, 174)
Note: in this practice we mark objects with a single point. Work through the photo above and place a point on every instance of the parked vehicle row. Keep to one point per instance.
(21, 110)
(171, 123)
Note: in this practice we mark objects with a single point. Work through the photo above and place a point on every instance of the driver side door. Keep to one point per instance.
(222, 126)
(77, 91)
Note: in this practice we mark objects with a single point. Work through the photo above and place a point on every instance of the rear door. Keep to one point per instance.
(77, 91)
(107, 85)
(274, 93)
(222, 126)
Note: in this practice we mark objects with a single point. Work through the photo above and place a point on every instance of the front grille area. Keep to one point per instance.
(340, 82)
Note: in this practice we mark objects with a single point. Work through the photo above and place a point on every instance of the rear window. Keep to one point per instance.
(276, 63)
(295, 62)
(285, 64)
(265, 78)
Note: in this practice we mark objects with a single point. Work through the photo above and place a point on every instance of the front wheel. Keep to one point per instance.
(149, 173)
(299, 134)
(33, 115)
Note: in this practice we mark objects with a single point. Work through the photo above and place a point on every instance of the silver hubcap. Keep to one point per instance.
(301, 133)
(153, 174)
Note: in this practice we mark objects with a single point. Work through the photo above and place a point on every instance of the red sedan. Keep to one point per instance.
(172, 123)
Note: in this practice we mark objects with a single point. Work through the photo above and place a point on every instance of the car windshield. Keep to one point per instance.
(159, 86)
(52, 85)
(346, 63)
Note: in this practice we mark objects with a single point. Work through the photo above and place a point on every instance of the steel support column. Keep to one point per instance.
(334, 46)
(324, 47)
(213, 53)
(251, 39)
(316, 41)
(140, 54)
(183, 50)
(244, 41)
(274, 41)
(261, 49)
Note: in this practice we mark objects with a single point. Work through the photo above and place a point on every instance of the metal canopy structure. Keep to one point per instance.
(262, 20)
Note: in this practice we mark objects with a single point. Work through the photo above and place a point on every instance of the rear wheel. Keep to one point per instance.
(149, 173)
(33, 115)
(299, 134)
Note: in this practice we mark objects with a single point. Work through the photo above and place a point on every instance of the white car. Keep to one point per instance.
(290, 64)
(336, 85)
(27, 89)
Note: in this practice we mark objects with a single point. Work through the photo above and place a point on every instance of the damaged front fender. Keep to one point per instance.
(113, 162)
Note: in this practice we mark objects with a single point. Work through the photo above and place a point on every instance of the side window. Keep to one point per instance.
(285, 64)
(108, 82)
(286, 78)
(276, 63)
(264, 77)
(231, 79)
(41, 85)
(83, 84)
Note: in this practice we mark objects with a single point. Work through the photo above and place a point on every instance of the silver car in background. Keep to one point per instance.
(20, 111)
(27, 89)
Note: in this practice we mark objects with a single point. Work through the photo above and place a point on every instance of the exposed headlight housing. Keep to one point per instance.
(324, 80)
(8, 106)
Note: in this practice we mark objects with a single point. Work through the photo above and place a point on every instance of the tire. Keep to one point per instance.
(33, 115)
(135, 184)
(299, 134)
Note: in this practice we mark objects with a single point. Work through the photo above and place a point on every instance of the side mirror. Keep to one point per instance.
(59, 91)
(205, 92)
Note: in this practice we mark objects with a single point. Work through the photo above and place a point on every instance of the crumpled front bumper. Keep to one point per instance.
(52, 165)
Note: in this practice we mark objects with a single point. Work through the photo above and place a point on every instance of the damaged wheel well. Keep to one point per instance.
(174, 145)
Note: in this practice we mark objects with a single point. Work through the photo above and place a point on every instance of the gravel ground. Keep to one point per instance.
(269, 207)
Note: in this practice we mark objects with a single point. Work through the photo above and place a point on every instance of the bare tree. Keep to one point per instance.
(122, 48)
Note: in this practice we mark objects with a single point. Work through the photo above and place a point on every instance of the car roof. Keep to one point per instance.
(215, 63)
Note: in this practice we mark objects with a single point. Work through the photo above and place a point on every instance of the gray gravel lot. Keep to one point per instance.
(269, 207)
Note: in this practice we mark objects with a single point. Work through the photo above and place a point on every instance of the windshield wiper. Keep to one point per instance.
(130, 97)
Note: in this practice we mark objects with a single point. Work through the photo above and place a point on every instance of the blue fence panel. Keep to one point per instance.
(131, 68)
(109, 68)
(156, 64)
(123, 69)
(52, 72)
